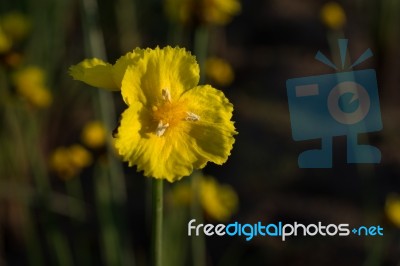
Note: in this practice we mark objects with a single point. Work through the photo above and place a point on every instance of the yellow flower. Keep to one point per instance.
(218, 201)
(207, 11)
(30, 84)
(220, 11)
(392, 209)
(5, 41)
(69, 161)
(94, 134)
(333, 15)
(15, 25)
(219, 70)
(98, 73)
(171, 126)
(181, 194)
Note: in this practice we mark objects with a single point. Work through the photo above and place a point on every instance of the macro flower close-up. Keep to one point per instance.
(172, 125)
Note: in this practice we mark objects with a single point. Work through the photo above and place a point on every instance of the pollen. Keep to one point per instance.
(161, 127)
(192, 117)
(168, 114)
(166, 95)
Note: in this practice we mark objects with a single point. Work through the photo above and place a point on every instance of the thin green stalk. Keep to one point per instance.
(157, 217)
(31, 235)
(61, 247)
(201, 48)
(127, 24)
(114, 228)
(95, 47)
(201, 40)
(198, 242)
(111, 242)
(74, 190)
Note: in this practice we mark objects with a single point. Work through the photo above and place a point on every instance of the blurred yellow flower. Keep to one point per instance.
(392, 209)
(171, 126)
(333, 15)
(219, 201)
(15, 25)
(218, 12)
(94, 134)
(69, 161)
(5, 42)
(30, 84)
(219, 70)
(181, 194)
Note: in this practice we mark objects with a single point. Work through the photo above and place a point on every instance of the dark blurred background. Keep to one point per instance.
(66, 201)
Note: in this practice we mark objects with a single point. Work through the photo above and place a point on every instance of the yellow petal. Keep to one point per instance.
(96, 73)
(172, 69)
(183, 147)
(170, 157)
(213, 132)
(123, 62)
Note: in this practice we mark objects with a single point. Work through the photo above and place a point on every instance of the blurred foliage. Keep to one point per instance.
(99, 215)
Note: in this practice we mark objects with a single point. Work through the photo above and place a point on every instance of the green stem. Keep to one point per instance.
(201, 41)
(105, 105)
(201, 48)
(157, 207)
(198, 242)
(110, 236)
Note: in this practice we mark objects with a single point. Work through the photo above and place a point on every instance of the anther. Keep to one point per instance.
(192, 117)
(161, 127)
(166, 95)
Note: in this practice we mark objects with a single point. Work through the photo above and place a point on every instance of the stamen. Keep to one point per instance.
(192, 117)
(166, 95)
(161, 127)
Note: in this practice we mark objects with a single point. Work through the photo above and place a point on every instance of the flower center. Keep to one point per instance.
(168, 113)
